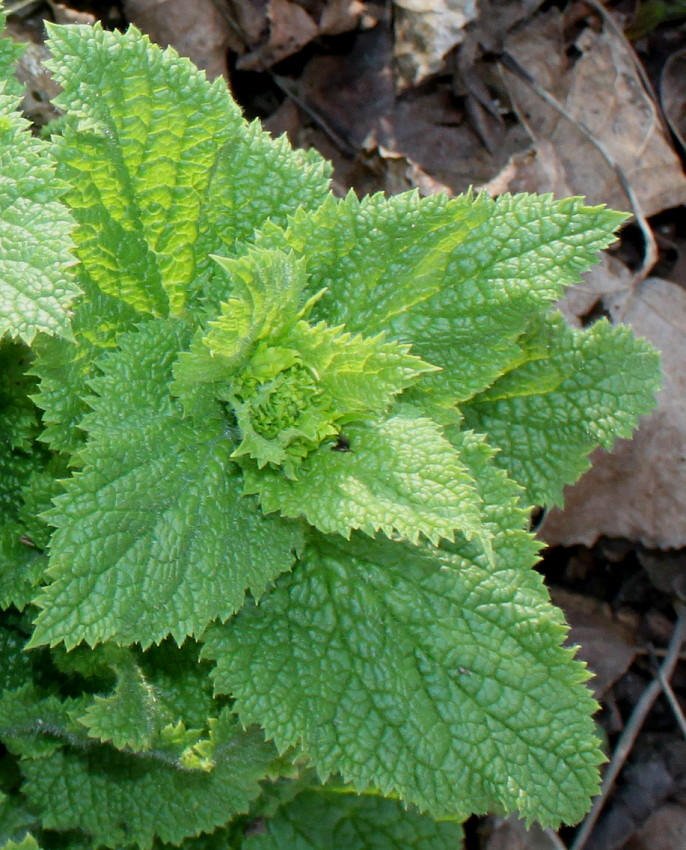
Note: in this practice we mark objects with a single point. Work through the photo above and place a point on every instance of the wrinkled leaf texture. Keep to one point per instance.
(420, 658)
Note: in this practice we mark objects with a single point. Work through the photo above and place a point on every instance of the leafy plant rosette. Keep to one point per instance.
(269, 456)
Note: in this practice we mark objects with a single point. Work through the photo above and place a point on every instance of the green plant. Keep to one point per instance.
(268, 459)
(651, 14)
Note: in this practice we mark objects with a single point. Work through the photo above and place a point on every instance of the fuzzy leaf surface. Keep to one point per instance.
(267, 288)
(132, 715)
(10, 53)
(153, 537)
(27, 843)
(326, 820)
(180, 680)
(35, 726)
(290, 384)
(65, 367)
(458, 279)
(361, 374)
(401, 476)
(575, 390)
(16, 664)
(19, 426)
(158, 696)
(290, 397)
(37, 286)
(148, 150)
(430, 673)
(119, 798)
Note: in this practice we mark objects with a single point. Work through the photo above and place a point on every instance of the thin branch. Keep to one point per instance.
(555, 841)
(671, 698)
(342, 143)
(656, 653)
(633, 727)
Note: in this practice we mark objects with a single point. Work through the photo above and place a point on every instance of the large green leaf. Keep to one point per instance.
(65, 367)
(37, 286)
(158, 163)
(458, 279)
(10, 53)
(398, 475)
(154, 536)
(161, 701)
(420, 659)
(430, 673)
(21, 566)
(119, 798)
(325, 819)
(574, 391)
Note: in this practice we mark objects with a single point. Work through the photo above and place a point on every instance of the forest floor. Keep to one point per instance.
(572, 98)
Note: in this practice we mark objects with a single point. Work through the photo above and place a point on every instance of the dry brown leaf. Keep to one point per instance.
(673, 94)
(497, 18)
(665, 829)
(353, 91)
(638, 491)
(63, 14)
(402, 174)
(667, 571)
(267, 31)
(425, 30)
(512, 834)
(610, 116)
(196, 30)
(432, 133)
(534, 170)
(290, 29)
(424, 136)
(339, 16)
(249, 23)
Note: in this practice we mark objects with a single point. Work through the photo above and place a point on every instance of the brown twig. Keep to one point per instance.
(633, 727)
(656, 653)
(342, 143)
(671, 697)
(554, 839)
